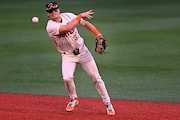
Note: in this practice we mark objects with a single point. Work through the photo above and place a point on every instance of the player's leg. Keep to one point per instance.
(92, 71)
(88, 64)
(68, 68)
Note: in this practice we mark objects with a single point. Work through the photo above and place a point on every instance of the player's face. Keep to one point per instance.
(54, 14)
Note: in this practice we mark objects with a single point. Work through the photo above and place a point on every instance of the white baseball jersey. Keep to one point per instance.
(66, 42)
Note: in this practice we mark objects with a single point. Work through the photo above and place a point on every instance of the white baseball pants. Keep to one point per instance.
(85, 59)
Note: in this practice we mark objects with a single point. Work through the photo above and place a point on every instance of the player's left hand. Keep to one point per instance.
(100, 44)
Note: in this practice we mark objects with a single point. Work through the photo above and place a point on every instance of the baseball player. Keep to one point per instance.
(61, 28)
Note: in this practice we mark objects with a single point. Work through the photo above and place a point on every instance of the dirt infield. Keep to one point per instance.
(37, 107)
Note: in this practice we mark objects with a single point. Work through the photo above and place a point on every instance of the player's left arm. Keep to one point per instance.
(100, 41)
(90, 27)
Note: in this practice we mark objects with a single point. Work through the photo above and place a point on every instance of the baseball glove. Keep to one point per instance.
(100, 44)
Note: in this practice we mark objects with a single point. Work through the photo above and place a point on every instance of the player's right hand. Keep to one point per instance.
(88, 14)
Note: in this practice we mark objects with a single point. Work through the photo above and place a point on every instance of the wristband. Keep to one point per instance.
(78, 18)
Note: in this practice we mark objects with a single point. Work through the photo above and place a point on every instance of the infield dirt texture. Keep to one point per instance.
(141, 67)
(34, 107)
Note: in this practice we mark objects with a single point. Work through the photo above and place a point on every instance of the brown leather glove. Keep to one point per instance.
(100, 44)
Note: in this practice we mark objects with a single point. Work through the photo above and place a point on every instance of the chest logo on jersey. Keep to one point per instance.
(71, 34)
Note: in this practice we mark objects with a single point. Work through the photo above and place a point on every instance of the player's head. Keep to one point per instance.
(51, 6)
(53, 10)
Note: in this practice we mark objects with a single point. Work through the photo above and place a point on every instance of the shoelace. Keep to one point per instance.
(109, 107)
(71, 102)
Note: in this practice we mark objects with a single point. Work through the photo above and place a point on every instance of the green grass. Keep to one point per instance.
(142, 60)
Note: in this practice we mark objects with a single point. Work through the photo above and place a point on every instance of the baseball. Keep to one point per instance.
(35, 19)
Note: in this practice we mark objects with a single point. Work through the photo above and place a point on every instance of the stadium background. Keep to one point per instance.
(143, 54)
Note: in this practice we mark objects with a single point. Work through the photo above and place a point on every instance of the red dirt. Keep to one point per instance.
(37, 107)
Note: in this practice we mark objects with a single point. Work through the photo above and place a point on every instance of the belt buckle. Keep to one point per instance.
(76, 51)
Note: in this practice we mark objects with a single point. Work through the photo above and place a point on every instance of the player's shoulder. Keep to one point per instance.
(51, 25)
(51, 22)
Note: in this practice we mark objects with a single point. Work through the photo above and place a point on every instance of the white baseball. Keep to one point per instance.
(35, 19)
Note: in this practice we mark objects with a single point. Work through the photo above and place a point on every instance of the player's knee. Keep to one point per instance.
(99, 80)
(68, 78)
(96, 78)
